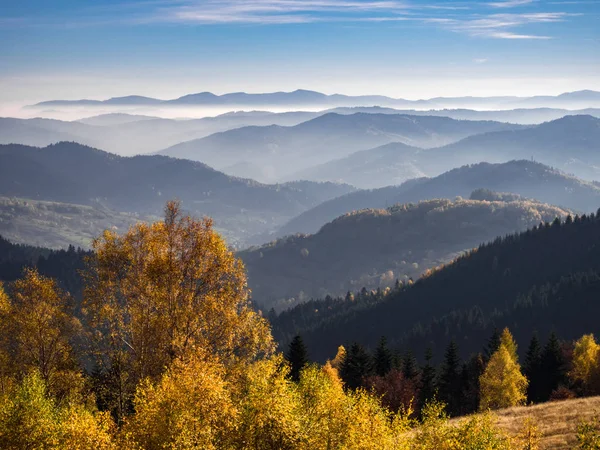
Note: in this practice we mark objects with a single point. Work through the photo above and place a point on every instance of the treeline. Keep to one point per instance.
(167, 352)
(62, 265)
(544, 279)
(492, 378)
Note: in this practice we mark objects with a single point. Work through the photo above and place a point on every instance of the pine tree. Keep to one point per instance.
(428, 388)
(356, 366)
(449, 380)
(533, 370)
(502, 383)
(470, 374)
(383, 358)
(297, 356)
(492, 344)
(410, 369)
(552, 367)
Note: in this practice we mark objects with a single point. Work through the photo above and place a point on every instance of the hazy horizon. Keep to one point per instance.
(414, 49)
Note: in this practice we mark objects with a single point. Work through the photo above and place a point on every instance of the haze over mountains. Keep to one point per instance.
(526, 178)
(280, 151)
(570, 100)
(72, 173)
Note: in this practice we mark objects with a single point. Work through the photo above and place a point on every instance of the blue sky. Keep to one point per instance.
(412, 49)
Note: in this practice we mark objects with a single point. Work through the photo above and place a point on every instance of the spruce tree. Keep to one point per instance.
(552, 367)
(356, 366)
(449, 380)
(492, 345)
(428, 387)
(410, 369)
(383, 358)
(470, 374)
(533, 370)
(297, 356)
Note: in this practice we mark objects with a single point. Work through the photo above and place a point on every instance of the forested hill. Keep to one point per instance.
(63, 265)
(545, 279)
(527, 178)
(73, 173)
(374, 247)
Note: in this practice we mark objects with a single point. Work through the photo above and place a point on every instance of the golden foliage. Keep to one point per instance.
(30, 419)
(502, 383)
(586, 363)
(507, 339)
(529, 436)
(41, 326)
(164, 290)
(189, 408)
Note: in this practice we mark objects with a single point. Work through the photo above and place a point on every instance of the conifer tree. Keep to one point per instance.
(383, 358)
(449, 379)
(297, 356)
(502, 383)
(428, 388)
(506, 339)
(470, 374)
(356, 366)
(410, 369)
(533, 369)
(492, 344)
(552, 367)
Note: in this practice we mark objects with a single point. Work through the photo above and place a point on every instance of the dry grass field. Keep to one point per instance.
(557, 421)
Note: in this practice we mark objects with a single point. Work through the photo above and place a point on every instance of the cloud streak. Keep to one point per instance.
(473, 19)
(500, 26)
(511, 3)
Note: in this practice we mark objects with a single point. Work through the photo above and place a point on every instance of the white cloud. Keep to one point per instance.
(511, 3)
(499, 26)
(480, 60)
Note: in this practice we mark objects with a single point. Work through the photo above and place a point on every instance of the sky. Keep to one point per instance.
(70, 49)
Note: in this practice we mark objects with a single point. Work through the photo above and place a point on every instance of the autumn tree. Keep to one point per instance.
(586, 364)
(502, 383)
(507, 339)
(159, 292)
(297, 357)
(42, 327)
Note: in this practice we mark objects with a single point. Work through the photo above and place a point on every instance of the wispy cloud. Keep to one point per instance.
(511, 3)
(467, 17)
(499, 26)
(279, 11)
(480, 60)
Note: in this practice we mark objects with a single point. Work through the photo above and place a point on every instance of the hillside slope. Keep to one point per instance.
(373, 248)
(72, 173)
(529, 179)
(281, 151)
(571, 144)
(557, 421)
(546, 279)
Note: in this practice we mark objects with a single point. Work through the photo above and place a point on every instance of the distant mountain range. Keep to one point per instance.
(570, 100)
(571, 144)
(281, 151)
(527, 178)
(72, 173)
(129, 135)
(374, 247)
